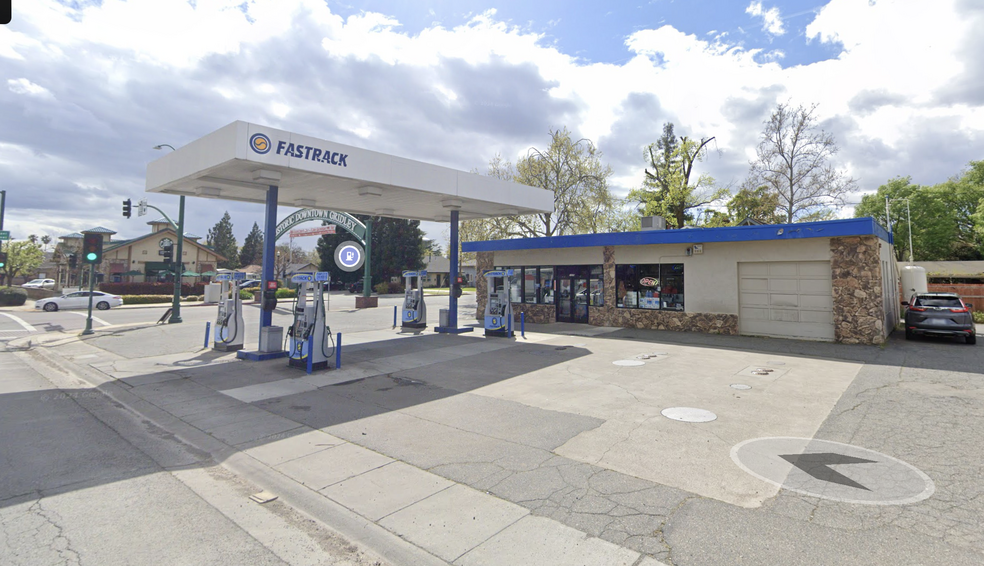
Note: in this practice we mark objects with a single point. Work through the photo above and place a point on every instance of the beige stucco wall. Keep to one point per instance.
(555, 256)
(711, 278)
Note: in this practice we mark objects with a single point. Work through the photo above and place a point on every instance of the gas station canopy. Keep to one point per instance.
(242, 160)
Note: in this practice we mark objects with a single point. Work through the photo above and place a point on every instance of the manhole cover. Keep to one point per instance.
(766, 370)
(629, 363)
(760, 373)
(642, 357)
(832, 470)
(659, 354)
(688, 414)
(741, 386)
(561, 348)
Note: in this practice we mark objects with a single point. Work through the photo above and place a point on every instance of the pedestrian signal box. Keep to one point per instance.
(3, 260)
(92, 248)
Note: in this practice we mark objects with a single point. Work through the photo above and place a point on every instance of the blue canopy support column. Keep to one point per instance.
(269, 247)
(269, 255)
(452, 327)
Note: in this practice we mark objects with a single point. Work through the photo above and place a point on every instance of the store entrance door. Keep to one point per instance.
(572, 299)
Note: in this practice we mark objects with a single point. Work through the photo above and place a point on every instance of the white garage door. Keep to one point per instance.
(789, 299)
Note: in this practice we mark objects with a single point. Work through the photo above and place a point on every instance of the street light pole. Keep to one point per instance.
(178, 258)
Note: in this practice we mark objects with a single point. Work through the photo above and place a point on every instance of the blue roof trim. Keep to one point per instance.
(826, 229)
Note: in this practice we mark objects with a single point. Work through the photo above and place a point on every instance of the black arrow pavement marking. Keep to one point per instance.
(818, 466)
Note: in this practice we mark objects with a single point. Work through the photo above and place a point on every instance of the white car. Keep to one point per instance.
(79, 300)
(40, 284)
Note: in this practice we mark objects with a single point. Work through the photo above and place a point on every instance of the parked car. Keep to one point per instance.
(40, 284)
(356, 287)
(246, 284)
(79, 300)
(941, 314)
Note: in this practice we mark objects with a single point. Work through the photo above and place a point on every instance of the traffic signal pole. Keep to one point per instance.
(92, 287)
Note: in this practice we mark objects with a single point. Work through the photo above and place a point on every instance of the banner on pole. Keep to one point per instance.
(330, 229)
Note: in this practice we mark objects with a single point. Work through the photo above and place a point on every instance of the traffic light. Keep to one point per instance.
(73, 261)
(92, 248)
(168, 253)
(3, 260)
(127, 208)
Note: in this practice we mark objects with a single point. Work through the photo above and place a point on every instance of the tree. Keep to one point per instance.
(252, 249)
(573, 172)
(944, 217)
(285, 254)
(668, 190)
(793, 160)
(23, 256)
(758, 204)
(223, 241)
(45, 240)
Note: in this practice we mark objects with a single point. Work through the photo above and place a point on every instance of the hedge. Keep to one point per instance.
(151, 288)
(156, 299)
(10, 297)
(253, 292)
(387, 288)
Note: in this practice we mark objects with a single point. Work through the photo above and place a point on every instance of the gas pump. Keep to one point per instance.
(229, 327)
(414, 309)
(498, 309)
(309, 335)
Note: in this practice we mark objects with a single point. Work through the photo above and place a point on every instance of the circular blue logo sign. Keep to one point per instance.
(349, 256)
(260, 143)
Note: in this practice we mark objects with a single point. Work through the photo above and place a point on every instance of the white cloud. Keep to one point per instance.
(95, 88)
(771, 20)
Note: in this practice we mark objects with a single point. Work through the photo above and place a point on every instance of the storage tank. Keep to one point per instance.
(913, 280)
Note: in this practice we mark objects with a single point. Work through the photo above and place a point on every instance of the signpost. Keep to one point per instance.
(4, 234)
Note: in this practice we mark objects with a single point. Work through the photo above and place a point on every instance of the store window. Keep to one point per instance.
(530, 285)
(546, 284)
(650, 286)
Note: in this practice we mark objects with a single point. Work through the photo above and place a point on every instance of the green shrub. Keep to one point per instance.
(979, 317)
(283, 293)
(247, 294)
(147, 299)
(10, 297)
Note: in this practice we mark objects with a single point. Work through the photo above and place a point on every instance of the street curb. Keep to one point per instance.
(349, 524)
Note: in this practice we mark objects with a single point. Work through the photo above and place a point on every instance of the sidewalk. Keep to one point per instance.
(407, 514)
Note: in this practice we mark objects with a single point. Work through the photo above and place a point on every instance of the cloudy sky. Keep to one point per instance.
(92, 85)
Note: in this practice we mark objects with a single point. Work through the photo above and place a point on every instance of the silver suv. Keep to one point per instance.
(941, 314)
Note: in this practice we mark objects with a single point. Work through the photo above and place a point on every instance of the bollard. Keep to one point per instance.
(208, 326)
(310, 358)
(338, 351)
(522, 324)
(394, 316)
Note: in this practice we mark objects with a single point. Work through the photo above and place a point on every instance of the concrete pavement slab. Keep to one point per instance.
(536, 541)
(253, 429)
(292, 447)
(452, 522)
(505, 420)
(221, 416)
(326, 467)
(203, 407)
(385, 490)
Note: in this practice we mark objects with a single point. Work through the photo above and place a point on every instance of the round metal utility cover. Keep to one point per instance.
(741, 386)
(766, 370)
(832, 470)
(658, 354)
(642, 357)
(629, 363)
(760, 373)
(688, 414)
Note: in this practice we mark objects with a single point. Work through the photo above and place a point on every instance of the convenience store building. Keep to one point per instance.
(831, 281)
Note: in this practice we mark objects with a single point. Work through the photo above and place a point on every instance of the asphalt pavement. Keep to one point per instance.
(578, 444)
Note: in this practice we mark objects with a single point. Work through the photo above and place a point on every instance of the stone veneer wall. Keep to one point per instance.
(855, 269)
(484, 261)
